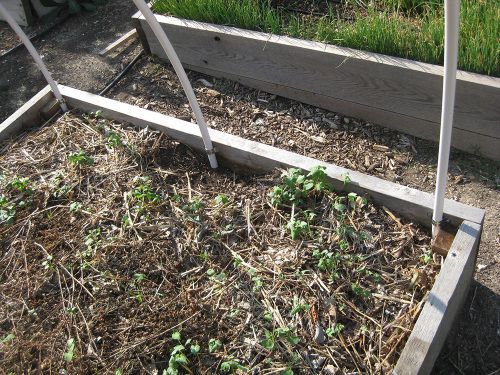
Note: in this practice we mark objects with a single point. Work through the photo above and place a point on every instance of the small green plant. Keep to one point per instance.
(214, 345)
(177, 360)
(7, 211)
(299, 306)
(297, 228)
(143, 192)
(335, 330)
(113, 140)
(231, 364)
(427, 256)
(93, 240)
(48, 262)
(21, 185)
(328, 262)
(7, 339)
(296, 186)
(69, 355)
(80, 159)
(272, 337)
(360, 291)
(221, 200)
(137, 280)
(75, 207)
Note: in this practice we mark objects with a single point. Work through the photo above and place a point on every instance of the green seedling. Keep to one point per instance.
(299, 307)
(214, 345)
(296, 186)
(427, 256)
(48, 262)
(360, 291)
(69, 355)
(221, 200)
(7, 211)
(346, 179)
(297, 228)
(80, 159)
(7, 339)
(328, 262)
(21, 185)
(113, 140)
(230, 365)
(137, 280)
(143, 191)
(272, 337)
(72, 310)
(268, 315)
(75, 207)
(177, 360)
(92, 240)
(334, 331)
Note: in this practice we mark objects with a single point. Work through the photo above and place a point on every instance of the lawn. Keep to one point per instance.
(412, 29)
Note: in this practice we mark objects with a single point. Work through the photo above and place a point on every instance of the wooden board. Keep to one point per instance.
(443, 303)
(120, 43)
(20, 10)
(27, 116)
(393, 92)
(408, 202)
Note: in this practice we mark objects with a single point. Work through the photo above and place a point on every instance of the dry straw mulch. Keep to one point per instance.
(118, 245)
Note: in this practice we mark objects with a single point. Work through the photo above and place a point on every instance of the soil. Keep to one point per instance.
(120, 235)
(474, 343)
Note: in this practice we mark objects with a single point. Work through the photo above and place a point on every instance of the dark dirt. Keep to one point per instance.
(70, 52)
(474, 343)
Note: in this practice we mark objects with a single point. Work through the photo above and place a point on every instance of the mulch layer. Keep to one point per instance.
(123, 252)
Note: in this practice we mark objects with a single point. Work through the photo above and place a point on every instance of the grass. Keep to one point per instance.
(411, 29)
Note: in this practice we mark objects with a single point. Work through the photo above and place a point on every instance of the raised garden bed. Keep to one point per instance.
(400, 94)
(174, 264)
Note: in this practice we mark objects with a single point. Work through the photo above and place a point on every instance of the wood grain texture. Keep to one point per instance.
(27, 116)
(393, 92)
(443, 303)
(236, 151)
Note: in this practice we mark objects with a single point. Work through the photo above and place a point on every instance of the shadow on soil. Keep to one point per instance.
(473, 345)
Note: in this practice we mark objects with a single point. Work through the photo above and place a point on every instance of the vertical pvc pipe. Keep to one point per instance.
(181, 73)
(452, 20)
(38, 60)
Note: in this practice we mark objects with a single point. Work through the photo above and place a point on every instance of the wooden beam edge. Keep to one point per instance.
(346, 52)
(27, 115)
(443, 303)
(124, 39)
(412, 203)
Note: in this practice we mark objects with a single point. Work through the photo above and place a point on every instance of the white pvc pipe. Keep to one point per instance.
(452, 21)
(186, 85)
(20, 33)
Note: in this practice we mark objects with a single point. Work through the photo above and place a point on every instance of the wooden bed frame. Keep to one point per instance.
(451, 286)
(400, 94)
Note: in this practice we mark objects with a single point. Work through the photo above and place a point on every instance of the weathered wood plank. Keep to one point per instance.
(393, 92)
(27, 116)
(124, 40)
(443, 303)
(410, 203)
